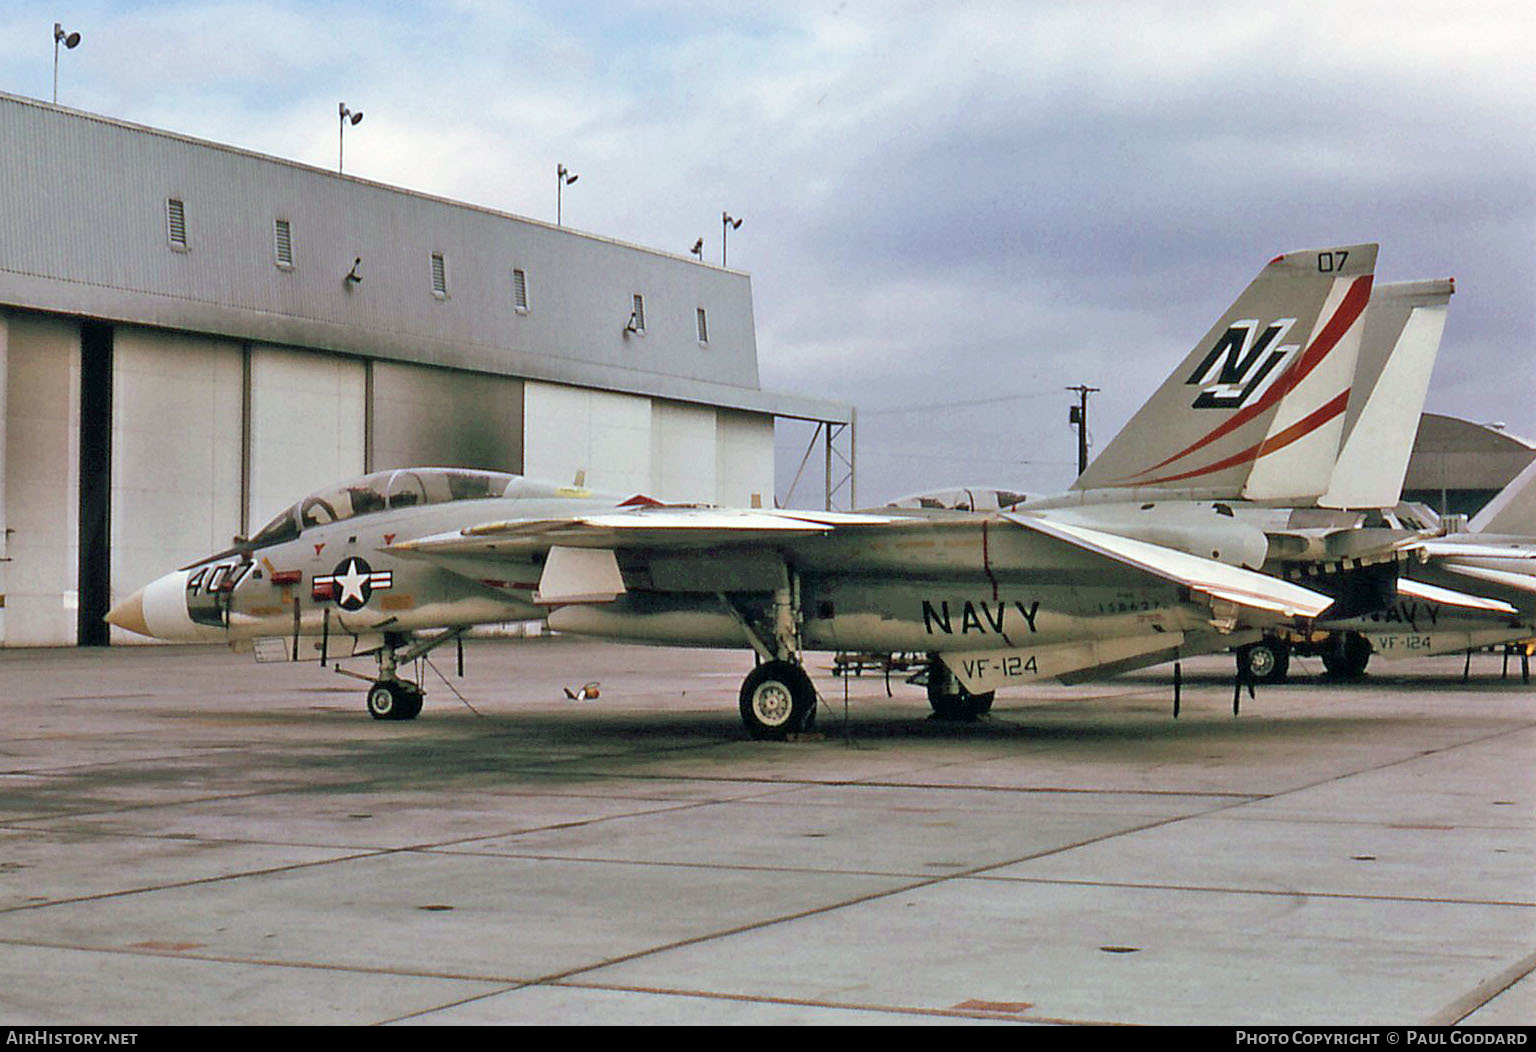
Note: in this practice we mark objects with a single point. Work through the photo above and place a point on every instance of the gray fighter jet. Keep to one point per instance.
(1471, 586)
(1152, 556)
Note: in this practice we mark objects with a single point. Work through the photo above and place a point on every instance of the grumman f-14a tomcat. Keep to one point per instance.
(1153, 555)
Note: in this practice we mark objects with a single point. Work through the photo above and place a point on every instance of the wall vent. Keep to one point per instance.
(176, 222)
(282, 235)
(520, 291)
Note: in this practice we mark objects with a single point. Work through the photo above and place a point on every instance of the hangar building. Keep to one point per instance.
(193, 336)
(1458, 466)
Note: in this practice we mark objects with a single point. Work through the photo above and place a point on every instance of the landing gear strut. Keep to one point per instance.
(393, 698)
(949, 699)
(777, 700)
(1346, 655)
(1267, 661)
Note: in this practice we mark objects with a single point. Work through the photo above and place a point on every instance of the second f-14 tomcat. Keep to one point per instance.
(1152, 557)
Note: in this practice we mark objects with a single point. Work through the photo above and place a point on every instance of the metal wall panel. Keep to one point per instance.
(83, 230)
(307, 416)
(42, 480)
(743, 459)
(445, 418)
(683, 453)
(177, 407)
(5, 577)
(604, 435)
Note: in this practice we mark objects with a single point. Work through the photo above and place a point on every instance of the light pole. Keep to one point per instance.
(70, 42)
(727, 224)
(346, 116)
(563, 177)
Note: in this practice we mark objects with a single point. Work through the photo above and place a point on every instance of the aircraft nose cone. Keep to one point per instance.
(129, 614)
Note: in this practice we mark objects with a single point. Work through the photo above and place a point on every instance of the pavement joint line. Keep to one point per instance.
(1021, 1017)
(377, 750)
(1347, 896)
(353, 855)
(973, 872)
(265, 871)
(263, 962)
(906, 888)
(1477, 997)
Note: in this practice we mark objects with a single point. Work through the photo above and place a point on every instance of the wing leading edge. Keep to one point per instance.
(1270, 596)
(661, 527)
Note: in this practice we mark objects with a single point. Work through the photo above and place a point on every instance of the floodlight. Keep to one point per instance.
(345, 115)
(727, 224)
(563, 177)
(70, 42)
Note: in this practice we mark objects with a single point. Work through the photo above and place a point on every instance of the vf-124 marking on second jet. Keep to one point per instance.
(1153, 555)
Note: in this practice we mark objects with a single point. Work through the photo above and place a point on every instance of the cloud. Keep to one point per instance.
(939, 199)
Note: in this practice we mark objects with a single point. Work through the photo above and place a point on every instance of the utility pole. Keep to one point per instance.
(1077, 416)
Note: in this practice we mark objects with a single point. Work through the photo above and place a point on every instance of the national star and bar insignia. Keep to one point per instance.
(352, 583)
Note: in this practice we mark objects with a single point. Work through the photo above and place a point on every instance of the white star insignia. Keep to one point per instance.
(352, 583)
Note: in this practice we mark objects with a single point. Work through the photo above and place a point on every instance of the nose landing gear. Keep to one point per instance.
(393, 698)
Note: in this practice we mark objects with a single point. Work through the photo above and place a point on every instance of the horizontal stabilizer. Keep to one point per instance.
(982, 671)
(1232, 584)
(1472, 548)
(1520, 582)
(1396, 646)
(1446, 597)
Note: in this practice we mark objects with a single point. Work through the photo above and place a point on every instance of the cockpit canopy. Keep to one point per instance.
(384, 490)
(970, 498)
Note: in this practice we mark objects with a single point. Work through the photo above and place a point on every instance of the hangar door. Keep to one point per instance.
(426, 417)
(176, 452)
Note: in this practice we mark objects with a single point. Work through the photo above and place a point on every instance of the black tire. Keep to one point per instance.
(394, 700)
(777, 700)
(1267, 661)
(1346, 654)
(951, 701)
(410, 706)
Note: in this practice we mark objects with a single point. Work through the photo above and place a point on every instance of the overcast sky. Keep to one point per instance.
(952, 211)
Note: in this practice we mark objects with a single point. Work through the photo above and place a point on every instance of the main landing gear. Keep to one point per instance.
(949, 699)
(777, 697)
(777, 700)
(1267, 661)
(1346, 654)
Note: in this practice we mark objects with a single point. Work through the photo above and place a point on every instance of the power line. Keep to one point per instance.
(927, 406)
(967, 457)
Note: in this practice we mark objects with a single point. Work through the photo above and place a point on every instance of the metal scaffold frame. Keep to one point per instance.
(839, 459)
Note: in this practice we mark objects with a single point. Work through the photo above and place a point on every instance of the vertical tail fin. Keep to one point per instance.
(1403, 325)
(1257, 409)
